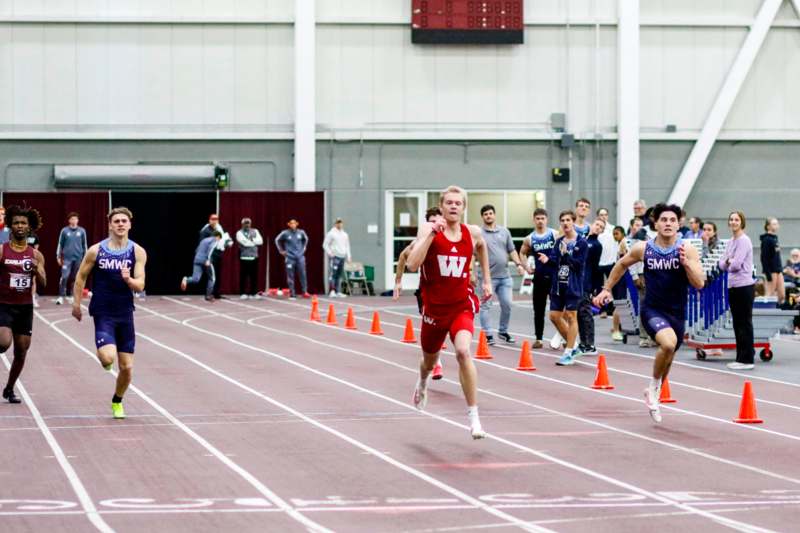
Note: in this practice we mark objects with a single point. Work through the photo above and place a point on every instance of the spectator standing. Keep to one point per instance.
(620, 290)
(292, 243)
(695, 229)
(249, 239)
(540, 241)
(582, 207)
(791, 272)
(710, 238)
(222, 244)
(609, 255)
(592, 283)
(72, 246)
(771, 264)
(5, 233)
(337, 248)
(500, 246)
(738, 262)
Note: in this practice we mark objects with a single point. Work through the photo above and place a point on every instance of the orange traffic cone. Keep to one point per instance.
(525, 359)
(601, 380)
(315, 311)
(666, 394)
(376, 324)
(483, 347)
(408, 336)
(331, 316)
(747, 409)
(350, 323)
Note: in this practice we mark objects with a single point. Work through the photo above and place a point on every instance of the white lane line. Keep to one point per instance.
(76, 483)
(535, 375)
(244, 474)
(370, 450)
(733, 524)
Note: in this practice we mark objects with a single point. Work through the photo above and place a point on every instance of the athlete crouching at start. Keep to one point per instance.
(443, 253)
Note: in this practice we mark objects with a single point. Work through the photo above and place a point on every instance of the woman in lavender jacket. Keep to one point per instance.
(738, 262)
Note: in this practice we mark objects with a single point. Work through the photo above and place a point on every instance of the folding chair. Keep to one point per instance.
(355, 279)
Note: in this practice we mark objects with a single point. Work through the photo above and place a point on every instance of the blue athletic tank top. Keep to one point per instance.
(542, 244)
(665, 279)
(583, 231)
(111, 296)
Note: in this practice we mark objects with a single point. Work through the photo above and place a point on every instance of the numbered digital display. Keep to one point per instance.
(467, 22)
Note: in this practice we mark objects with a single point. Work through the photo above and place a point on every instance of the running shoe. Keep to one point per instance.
(306, 295)
(740, 366)
(477, 431)
(490, 340)
(651, 401)
(437, 371)
(617, 336)
(332, 294)
(420, 398)
(59, 300)
(506, 337)
(9, 395)
(117, 410)
(588, 349)
(555, 342)
(537, 344)
(567, 359)
(341, 295)
(243, 297)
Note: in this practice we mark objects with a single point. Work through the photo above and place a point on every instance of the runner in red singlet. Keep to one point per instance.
(443, 254)
(19, 264)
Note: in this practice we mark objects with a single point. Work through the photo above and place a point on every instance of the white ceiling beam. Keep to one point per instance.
(305, 113)
(724, 101)
(628, 108)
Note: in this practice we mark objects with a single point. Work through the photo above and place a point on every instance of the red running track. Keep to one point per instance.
(248, 417)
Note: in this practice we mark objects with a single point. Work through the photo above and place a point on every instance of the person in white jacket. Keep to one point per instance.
(337, 247)
(249, 239)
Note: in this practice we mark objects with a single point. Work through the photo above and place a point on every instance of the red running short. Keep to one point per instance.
(435, 329)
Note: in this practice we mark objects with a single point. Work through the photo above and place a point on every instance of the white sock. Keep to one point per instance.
(655, 384)
(568, 351)
(472, 413)
(422, 383)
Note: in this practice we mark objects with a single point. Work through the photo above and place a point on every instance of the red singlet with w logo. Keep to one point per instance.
(16, 276)
(444, 276)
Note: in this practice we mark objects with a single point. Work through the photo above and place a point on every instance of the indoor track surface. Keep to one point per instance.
(247, 416)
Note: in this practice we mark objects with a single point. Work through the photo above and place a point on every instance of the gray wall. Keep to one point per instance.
(757, 177)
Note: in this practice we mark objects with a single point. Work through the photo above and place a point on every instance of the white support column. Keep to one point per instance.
(725, 99)
(305, 162)
(796, 6)
(627, 109)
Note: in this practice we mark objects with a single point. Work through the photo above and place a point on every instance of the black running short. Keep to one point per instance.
(18, 317)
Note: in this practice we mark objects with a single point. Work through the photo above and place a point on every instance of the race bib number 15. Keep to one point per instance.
(20, 281)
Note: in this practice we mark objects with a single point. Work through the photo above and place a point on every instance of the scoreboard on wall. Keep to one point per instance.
(467, 22)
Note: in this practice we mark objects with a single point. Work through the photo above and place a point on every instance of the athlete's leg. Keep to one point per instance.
(21, 345)
(559, 321)
(571, 320)
(106, 354)
(667, 344)
(541, 289)
(211, 280)
(5, 338)
(503, 289)
(125, 373)
(780, 287)
(74, 266)
(586, 321)
(467, 374)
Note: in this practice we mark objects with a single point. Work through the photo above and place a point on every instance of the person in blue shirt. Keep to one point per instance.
(592, 284)
(567, 257)
(292, 244)
(203, 264)
(582, 208)
(117, 268)
(540, 241)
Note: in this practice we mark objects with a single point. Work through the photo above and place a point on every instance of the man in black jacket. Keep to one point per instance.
(592, 283)
(223, 244)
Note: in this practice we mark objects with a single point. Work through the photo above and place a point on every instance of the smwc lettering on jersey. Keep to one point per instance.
(663, 263)
(452, 266)
(113, 264)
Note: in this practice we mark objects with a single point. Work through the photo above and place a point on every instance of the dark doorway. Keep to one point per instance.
(167, 225)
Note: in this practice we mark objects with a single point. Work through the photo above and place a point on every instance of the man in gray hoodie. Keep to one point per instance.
(292, 244)
(72, 246)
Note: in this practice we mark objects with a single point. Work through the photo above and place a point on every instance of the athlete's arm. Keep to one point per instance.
(80, 280)
(401, 268)
(483, 259)
(41, 276)
(136, 283)
(524, 251)
(690, 260)
(635, 255)
(419, 249)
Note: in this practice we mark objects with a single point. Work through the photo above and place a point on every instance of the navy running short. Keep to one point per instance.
(117, 330)
(654, 320)
(564, 302)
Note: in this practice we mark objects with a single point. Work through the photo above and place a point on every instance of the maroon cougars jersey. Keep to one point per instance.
(16, 276)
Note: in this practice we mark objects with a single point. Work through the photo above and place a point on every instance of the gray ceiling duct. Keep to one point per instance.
(135, 176)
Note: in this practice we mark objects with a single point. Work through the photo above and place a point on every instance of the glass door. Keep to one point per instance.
(406, 209)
